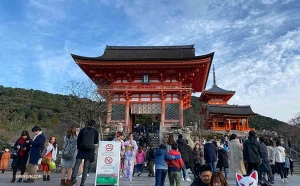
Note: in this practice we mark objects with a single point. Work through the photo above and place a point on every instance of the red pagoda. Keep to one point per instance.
(219, 116)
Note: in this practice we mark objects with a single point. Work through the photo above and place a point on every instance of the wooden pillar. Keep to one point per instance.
(239, 125)
(181, 112)
(163, 112)
(127, 130)
(247, 124)
(109, 110)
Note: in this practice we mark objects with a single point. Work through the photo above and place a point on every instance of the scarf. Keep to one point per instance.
(21, 142)
(37, 135)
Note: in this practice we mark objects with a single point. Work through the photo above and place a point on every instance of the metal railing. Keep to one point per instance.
(297, 154)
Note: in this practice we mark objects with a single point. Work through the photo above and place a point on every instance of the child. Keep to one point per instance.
(287, 165)
(291, 166)
(174, 166)
(140, 160)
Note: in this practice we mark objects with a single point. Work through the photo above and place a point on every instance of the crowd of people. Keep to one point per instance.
(214, 163)
(31, 154)
(211, 164)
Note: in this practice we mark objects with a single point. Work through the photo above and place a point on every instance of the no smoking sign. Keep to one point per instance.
(108, 160)
(109, 147)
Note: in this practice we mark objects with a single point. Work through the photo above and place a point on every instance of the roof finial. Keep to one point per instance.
(214, 74)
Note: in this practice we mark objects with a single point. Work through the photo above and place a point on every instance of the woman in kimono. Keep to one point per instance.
(129, 156)
(118, 138)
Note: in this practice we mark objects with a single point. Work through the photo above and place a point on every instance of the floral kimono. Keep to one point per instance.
(130, 150)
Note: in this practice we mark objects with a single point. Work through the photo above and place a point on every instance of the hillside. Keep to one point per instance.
(21, 109)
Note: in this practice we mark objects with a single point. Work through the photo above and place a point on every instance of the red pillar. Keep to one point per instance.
(163, 112)
(109, 110)
(181, 112)
(127, 117)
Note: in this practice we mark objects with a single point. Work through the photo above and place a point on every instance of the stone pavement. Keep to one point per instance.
(143, 180)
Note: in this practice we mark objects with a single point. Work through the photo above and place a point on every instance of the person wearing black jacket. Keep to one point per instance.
(191, 164)
(150, 158)
(222, 160)
(183, 149)
(251, 153)
(21, 156)
(87, 155)
(210, 154)
(205, 176)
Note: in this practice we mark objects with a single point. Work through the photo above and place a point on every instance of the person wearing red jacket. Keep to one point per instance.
(174, 166)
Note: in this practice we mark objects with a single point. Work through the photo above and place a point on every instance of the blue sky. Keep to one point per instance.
(256, 43)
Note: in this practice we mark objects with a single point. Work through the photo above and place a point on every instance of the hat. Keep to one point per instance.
(6, 150)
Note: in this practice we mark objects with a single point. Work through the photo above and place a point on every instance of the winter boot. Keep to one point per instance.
(62, 182)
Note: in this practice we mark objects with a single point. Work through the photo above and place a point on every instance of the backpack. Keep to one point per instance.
(88, 138)
(67, 152)
(151, 154)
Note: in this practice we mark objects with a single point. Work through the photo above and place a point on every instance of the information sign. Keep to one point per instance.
(108, 163)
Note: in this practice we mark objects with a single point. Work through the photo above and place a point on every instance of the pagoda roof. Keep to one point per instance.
(230, 109)
(145, 53)
(217, 90)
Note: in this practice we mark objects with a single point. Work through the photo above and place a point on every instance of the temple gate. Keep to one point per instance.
(147, 80)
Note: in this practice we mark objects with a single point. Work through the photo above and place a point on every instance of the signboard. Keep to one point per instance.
(108, 163)
(145, 79)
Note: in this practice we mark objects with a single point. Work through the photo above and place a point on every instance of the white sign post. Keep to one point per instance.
(108, 163)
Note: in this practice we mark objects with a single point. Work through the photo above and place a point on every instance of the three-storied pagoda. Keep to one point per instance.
(155, 80)
(221, 116)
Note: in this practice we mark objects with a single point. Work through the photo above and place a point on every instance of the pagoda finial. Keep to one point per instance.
(214, 74)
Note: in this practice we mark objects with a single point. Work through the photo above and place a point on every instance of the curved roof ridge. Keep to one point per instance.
(149, 47)
(217, 89)
(213, 105)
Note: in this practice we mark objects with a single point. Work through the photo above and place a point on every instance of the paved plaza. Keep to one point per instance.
(143, 180)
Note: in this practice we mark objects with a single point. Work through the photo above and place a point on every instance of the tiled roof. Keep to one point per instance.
(230, 109)
(216, 89)
(145, 53)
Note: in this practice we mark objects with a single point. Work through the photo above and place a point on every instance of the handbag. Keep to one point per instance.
(52, 165)
(46, 160)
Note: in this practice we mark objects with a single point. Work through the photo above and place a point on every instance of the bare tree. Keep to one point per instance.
(86, 103)
(295, 121)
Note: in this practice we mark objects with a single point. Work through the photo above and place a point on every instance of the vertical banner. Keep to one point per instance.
(108, 163)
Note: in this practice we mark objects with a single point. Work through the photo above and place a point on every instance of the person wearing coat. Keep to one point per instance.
(37, 145)
(21, 156)
(161, 167)
(236, 160)
(198, 157)
(191, 164)
(88, 156)
(210, 154)
(183, 149)
(68, 164)
(4, 160)
(251, 153)
(265, 165)
(222, 160)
